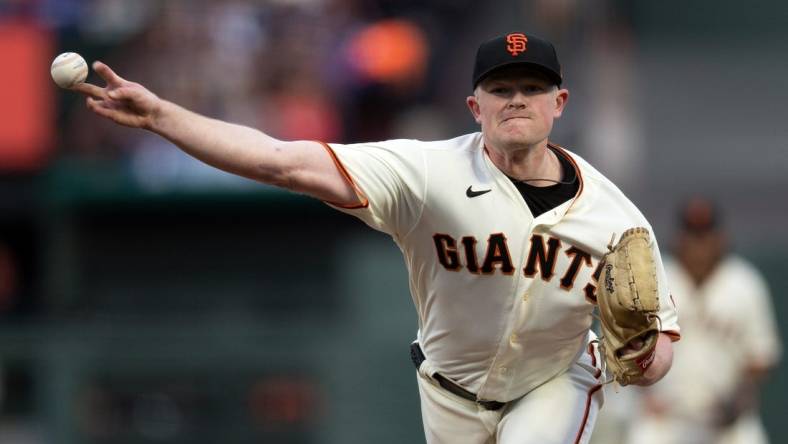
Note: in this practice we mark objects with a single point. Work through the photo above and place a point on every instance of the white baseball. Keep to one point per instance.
(69, 69)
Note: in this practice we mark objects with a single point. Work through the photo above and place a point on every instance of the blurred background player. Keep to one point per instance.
(729, 342)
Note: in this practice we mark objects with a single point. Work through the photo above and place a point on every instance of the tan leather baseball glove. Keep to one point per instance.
(628, 306)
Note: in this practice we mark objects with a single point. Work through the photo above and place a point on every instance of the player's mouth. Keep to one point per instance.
(507, 119)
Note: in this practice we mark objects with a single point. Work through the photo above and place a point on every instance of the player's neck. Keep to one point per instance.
(536, 165)
(700, 274)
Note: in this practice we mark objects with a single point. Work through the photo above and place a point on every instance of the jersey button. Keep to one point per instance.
(513, 338)
(503, 370)
(525, 296)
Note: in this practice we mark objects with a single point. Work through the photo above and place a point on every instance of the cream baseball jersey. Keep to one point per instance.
(504, 300)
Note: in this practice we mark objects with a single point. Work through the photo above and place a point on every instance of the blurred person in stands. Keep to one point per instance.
(729, 342)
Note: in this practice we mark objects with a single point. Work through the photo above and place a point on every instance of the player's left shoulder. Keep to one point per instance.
(595, 188)
(599, 194)
(585, 169)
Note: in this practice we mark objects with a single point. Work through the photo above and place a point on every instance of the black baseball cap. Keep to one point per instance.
(516, 48)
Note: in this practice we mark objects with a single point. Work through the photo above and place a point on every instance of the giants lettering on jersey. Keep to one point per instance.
(541, 259)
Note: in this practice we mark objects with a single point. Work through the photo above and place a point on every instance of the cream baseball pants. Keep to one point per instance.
(560, 411)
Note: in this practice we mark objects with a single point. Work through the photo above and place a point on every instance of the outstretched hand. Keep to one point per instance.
(121, 101)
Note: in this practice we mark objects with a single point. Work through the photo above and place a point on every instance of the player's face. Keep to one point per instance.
(700, 252)
(516, 108)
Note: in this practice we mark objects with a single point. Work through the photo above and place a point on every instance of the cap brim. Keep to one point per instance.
(551, 75)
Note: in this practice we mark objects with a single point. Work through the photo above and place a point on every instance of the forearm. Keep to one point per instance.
(301, 166)
(663, 359)
(233, 148)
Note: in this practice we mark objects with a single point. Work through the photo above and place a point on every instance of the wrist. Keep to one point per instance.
(656, 365)
(157, 117)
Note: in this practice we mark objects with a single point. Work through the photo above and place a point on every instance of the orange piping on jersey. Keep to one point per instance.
(674, 335)
(593, 360)
(577, 170)
(360, 194)
(568, 157)
(591, 392)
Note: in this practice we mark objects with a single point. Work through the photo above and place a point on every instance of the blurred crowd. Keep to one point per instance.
(333, 70)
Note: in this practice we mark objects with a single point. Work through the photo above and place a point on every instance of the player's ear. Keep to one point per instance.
(473, 105)
(561, 97)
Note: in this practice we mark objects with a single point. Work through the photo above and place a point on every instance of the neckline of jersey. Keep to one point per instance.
(549, 217)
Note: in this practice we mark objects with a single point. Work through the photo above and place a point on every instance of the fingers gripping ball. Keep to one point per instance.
(628, 306)
(69, 69)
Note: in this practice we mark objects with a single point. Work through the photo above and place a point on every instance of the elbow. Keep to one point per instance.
(276, 168)
(280, 178)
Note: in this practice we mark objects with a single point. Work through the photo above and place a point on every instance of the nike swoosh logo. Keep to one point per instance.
(470, 193)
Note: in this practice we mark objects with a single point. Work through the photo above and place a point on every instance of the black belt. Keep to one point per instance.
(417, 356)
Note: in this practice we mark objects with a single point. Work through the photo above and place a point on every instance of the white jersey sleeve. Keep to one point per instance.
(390, 179)
(668, 314)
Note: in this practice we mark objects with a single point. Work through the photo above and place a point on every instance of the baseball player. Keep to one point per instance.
(729, 342)
(502, 234)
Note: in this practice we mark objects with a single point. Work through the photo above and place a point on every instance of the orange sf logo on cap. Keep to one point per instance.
(515, 43)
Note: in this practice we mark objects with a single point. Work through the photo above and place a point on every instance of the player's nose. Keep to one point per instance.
(516, 103)
(518, 100)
